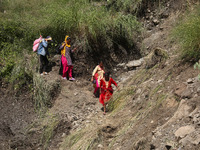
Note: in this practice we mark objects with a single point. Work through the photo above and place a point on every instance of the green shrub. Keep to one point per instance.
(187, 33)
(21, 77)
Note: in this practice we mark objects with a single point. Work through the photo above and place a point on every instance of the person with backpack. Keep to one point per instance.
(97, 75)
(66, 58)
(106, 90)
(43, 52)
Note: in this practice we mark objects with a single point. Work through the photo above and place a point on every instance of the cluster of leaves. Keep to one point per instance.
(187, 33)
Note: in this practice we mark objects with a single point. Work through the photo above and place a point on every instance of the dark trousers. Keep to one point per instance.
(43, 63)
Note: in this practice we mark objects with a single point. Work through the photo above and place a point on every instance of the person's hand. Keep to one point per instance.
(92, 79)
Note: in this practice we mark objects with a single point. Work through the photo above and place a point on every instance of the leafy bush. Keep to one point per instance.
(188, 34)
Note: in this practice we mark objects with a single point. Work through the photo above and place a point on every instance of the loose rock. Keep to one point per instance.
(183, 131)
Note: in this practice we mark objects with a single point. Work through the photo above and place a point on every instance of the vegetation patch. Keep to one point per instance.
(187, 33)
(48, 130)
(44, 92)
(73, 139)
(118, 101)
(128, 6)
(155, 90)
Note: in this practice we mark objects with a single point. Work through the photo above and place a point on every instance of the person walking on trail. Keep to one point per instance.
(97, 75)
(106, 90)
(43, 52)
(66, 58)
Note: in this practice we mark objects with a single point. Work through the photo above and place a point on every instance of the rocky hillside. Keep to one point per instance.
(156, 108)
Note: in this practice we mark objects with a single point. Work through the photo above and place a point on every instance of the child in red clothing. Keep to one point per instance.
(106, 90)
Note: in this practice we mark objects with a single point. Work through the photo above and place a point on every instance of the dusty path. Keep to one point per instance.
(75, 103)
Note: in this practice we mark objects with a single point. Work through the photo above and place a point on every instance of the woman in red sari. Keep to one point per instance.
(106, 90)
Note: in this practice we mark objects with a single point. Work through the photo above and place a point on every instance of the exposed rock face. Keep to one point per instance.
(183, 131)
(156, 56)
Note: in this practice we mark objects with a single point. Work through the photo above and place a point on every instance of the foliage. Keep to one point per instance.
(187, 33)
(130, 6)
(79, 19)
(44, 92)
(10, 47)
(133, 6)
(21, 78)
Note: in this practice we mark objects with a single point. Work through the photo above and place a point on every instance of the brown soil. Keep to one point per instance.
(16, 113)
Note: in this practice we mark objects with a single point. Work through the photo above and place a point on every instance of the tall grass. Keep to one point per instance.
(187, 33)
(79, 19)
(134, 6)
(44, 92)
(130, 6)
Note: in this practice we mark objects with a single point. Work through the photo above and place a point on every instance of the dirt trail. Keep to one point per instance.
(75, 102)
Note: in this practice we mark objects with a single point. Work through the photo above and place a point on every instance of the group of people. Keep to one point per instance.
(65, 56)
(101, 79)
(102, 84)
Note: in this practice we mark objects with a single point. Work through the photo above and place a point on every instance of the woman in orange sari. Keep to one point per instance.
(106, 90)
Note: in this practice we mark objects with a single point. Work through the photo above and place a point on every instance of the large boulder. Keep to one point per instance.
(156, 56)
(183, 131)
(135, 63)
